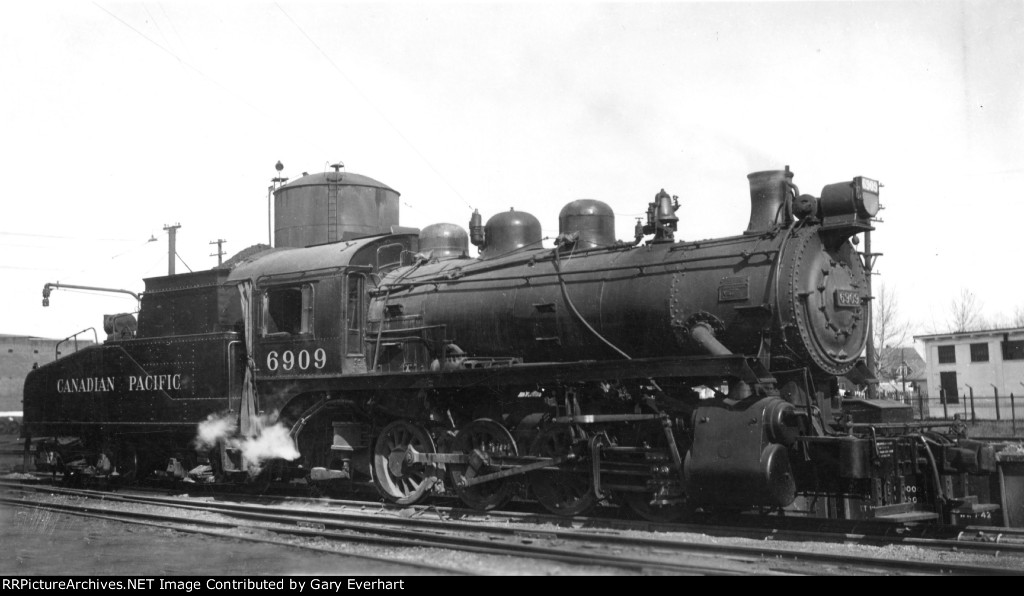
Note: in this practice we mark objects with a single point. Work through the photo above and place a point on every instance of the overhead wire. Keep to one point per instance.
(373, 105)
(236, 96)
(60, 237)
(132, 249)
(184, 63)
(313, 42)
(173, 28)
(17, 268)
(157, 25)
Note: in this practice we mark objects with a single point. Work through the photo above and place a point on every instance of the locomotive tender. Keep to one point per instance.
(661, 374)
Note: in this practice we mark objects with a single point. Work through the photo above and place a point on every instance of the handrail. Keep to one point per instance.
(96, 341)
(464, 273)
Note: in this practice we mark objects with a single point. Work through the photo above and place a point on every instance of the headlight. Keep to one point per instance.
(867, 196)
(845, 202)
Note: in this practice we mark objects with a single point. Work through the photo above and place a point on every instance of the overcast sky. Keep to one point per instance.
(119, 118)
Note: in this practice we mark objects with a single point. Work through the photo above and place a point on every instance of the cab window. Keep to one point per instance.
(288, 310)
(354, 313)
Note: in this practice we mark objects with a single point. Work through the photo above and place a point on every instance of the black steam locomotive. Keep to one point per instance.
(660, 374)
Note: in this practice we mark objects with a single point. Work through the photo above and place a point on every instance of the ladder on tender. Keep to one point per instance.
(332, 207)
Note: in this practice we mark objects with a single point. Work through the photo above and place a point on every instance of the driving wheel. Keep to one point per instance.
(485, 439)
(569, 490)
(402, 482)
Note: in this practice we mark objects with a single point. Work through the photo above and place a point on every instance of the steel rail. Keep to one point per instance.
(365, 522)
(971, 538)
(167, 522)
(385, 536)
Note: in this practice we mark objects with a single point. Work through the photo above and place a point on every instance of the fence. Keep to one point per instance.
(969, 407)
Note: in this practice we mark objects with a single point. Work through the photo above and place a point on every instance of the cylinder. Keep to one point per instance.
(593, 220)
(733, 461)
(767, 199)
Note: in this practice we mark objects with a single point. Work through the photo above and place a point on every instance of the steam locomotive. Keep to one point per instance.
(663, 375)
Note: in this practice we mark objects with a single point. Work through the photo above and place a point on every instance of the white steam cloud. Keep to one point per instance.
(213, 429)
(270, 441)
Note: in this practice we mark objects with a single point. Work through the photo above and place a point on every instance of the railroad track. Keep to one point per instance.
(573, 546)
(284, 522)
(980, 539)
(764, 527)
(216, 529)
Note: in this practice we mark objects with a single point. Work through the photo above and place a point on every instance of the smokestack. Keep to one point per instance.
(767, 199)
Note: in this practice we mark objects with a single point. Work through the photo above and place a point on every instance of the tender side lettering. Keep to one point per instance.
(85, 385)
(134, 383)
(154, 382)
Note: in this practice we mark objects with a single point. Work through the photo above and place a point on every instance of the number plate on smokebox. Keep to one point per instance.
(847, 299)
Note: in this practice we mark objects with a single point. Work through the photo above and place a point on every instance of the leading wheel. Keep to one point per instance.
(487, 440)
(402, 482)
(569, 490)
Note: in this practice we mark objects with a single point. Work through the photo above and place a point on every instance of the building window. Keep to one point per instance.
(947, 354)
(948, 387)
(1013, 350)
(288, 310)
(979, 352)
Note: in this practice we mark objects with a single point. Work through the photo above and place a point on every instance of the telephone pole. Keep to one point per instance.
(220, 251)
(171, 251)
(868, 259)
(903, 369)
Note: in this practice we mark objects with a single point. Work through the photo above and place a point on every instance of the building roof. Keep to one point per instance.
(897, 356)
(31, 337)
(968, 334)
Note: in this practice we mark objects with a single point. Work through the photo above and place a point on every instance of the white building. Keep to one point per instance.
(18, 355)
(983, 363)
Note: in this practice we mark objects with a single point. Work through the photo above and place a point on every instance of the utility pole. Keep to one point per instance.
(171, 251)
(220, 251)
(903, 370)
(868, 258)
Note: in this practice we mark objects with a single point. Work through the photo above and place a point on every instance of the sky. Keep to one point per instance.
(120, 118)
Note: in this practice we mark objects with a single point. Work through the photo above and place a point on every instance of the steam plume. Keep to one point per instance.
(271, 440)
